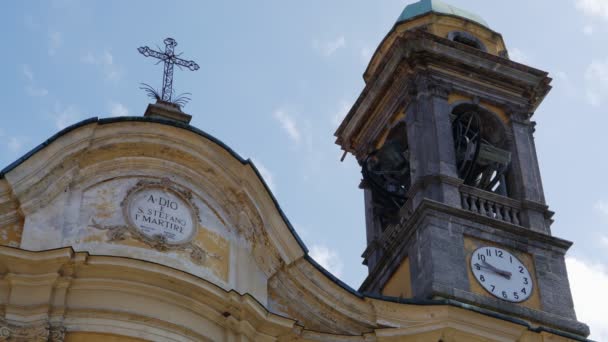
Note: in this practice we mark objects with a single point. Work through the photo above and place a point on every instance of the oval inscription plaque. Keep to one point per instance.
(159, 211)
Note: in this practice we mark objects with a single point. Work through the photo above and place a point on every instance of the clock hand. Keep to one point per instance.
(496, 270)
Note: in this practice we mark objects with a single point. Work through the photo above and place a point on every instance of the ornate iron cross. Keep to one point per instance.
(170, 59)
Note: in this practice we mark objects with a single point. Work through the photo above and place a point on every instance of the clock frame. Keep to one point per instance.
(501, 274)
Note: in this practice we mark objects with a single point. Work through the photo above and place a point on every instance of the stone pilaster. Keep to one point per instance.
(431, 144)
(527, 184)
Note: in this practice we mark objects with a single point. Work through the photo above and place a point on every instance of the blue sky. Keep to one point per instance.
(277, 77)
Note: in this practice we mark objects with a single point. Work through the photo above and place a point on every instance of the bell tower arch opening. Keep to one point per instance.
(386, 176)
(482, 148)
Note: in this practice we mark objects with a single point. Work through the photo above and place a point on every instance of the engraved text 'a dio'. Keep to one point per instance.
(158, 211)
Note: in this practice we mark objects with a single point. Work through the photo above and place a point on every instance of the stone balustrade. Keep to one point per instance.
(490, 204)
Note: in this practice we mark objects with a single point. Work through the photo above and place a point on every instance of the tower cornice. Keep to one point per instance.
(444, 65)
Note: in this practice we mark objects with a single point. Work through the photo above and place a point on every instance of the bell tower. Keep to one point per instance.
(454, 202)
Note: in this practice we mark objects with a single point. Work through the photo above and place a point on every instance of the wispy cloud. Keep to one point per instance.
(366, 54)
(15, 144)
(27, 71)
(105, 61)
(55, 42)
(518, 55)
(29, 22)
(593, 8)
(588, 30)
(339, 115)
(601, 206)
(31, 88)
(289, 125)
(118, 109)
(565, 84)
(327, 258)
(328, 48)
(65, 116)
(36, 92)
(596, 77)
(266, 174)
(586, 282)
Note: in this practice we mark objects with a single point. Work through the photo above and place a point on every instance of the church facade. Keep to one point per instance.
(148, 229)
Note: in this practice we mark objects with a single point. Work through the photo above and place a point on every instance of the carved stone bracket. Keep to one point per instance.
(57, 334)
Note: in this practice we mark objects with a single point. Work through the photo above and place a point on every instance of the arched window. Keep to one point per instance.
(466, 39)
(481, 147)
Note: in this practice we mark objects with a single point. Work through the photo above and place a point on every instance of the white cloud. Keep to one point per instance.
(604, 241)
(31, 89)
(588, 30)
(596, 77)
(518, 55)
(105, 61)
(289, 124)
(598, 70)
(66, 116)
(593, 98)
(55, 42)
(588, 282)
(602, 207)
(328, 48)
(366, 54)
(594, 8)
(118, 109)
(29, 22)
(337, 118)
(266, 174)
(35, 91)
(565, 84)
(329, 259)
(15, 144)
(27, 71)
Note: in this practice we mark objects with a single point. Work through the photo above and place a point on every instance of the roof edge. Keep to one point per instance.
(105, 121)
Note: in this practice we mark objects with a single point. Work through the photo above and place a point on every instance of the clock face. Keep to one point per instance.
(501, 274)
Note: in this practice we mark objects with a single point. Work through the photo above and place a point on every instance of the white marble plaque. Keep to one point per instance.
(159, 211)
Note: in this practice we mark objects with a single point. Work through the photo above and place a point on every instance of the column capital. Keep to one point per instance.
(424, 84)
(518, 114)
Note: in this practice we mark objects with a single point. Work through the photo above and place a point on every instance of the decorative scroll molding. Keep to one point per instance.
(31, 333)
(57, 334)
(158, 242)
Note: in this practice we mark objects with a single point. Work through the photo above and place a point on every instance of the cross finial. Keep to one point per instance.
(170, 59)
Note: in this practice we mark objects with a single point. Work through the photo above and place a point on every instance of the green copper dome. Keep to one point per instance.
(425, 6)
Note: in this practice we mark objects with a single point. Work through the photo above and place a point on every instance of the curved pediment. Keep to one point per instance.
(155, 190)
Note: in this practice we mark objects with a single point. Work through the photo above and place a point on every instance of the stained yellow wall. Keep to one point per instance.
(10, 235)
(440, 25)
(443, 25)
(98, 337)
(471, 244)
(454, 97)
(400, 283)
